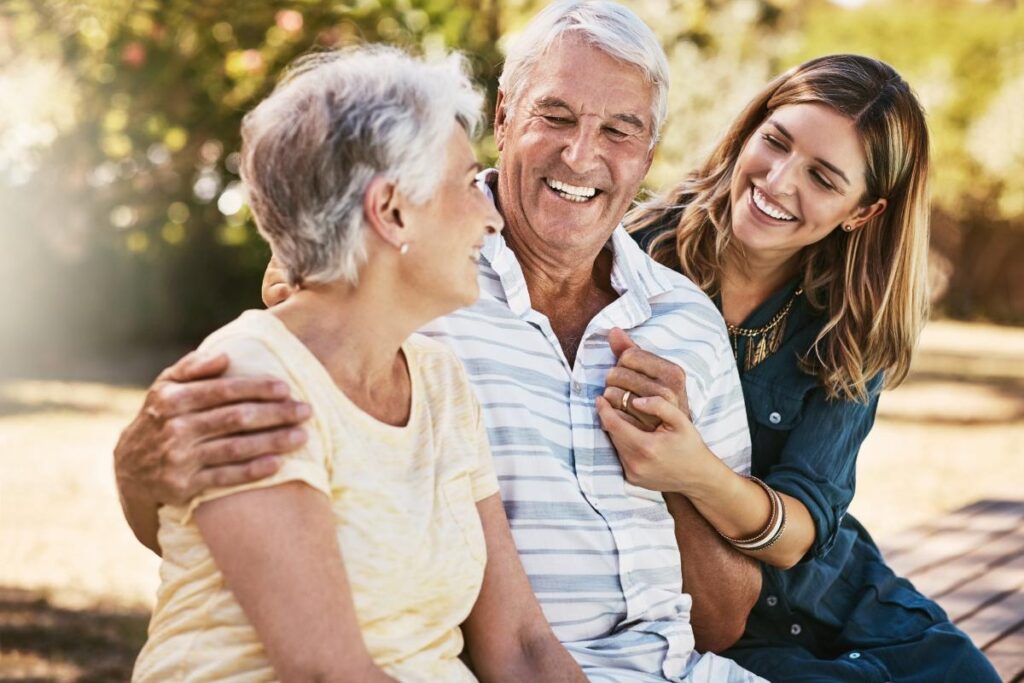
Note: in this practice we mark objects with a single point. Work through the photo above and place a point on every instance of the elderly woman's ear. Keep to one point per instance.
(275, 287)
(383, 207)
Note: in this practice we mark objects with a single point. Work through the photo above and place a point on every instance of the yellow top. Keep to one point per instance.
(404, 500)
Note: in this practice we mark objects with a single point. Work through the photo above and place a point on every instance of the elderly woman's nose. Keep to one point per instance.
(495, 223)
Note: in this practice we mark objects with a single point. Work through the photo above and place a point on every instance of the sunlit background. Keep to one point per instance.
(125, 238)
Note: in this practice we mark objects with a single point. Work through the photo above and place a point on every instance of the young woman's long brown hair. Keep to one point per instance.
(872, 282)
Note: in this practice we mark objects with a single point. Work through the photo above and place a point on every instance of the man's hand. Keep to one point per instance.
(657, 443)
(275, 288)
(197, 430)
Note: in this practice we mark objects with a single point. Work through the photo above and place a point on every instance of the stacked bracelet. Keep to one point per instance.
(772, 531)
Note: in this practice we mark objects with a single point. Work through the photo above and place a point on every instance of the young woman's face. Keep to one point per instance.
(799, 177)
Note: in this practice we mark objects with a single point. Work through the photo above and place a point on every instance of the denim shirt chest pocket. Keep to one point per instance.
(772, 412)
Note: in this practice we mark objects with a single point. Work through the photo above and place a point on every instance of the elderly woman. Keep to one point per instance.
(808, 227)
(362, 556)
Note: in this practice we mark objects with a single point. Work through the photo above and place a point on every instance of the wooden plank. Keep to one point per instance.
(957, 535)
(995, 620)
(899, 543)
(943, 578)
(1007, 656)
(973, 596)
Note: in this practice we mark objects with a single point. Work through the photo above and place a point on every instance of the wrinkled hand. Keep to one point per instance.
(275, 288)
(198, 430)
(657, 443)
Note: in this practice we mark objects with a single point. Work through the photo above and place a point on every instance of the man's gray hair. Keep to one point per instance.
(337, 120)
(609, 27)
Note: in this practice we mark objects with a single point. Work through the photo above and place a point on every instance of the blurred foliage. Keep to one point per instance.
(124, 222)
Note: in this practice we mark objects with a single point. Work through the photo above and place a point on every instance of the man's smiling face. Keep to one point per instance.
(574, 147)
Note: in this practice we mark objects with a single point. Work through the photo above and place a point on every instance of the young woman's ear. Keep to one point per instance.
(863, 214)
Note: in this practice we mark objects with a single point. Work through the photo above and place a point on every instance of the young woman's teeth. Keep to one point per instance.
(571, 192)
(762, 203)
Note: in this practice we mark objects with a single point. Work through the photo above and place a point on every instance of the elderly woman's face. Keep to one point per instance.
(450, 231)
(798, 178)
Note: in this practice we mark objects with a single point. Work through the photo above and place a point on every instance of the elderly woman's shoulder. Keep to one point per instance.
(257, 344)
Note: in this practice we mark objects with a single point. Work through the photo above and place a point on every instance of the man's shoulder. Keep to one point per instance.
(684, 299)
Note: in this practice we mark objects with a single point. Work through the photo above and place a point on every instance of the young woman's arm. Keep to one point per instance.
(507, 636)
(279, 555)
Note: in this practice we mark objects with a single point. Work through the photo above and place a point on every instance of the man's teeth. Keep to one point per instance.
(571, 192)
(475, 254)
(775, 212)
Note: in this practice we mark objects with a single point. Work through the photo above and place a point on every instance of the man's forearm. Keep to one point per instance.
(723, 583)
(142, 517)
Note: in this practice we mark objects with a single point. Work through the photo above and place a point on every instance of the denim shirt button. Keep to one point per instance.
(795, 629)
(772, 600)
(775, 418)
(854, 655)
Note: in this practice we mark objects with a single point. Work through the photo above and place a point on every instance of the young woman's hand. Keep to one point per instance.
(657, 443)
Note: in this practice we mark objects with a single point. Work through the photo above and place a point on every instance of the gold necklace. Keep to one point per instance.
(761, 341)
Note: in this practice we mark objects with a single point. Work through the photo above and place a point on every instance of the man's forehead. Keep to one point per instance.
(587, 80)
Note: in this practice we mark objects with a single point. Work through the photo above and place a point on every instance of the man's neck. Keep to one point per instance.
(568, 288)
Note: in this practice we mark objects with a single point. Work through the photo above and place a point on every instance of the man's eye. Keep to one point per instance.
(616, 133)
(557, 120)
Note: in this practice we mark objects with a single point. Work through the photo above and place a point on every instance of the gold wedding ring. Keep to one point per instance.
(624, 403)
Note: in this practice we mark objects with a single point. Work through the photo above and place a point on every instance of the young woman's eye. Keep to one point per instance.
(822, 180)
(773, 141)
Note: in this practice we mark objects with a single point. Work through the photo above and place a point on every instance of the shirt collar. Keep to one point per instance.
(635, 276)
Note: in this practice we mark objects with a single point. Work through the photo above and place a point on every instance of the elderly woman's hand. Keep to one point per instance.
(275, 287)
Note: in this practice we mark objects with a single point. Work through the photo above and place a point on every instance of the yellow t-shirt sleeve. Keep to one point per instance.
(485, 481)
(250, 356)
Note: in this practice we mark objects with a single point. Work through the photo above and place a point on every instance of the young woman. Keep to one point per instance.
(362, 556)
(808, 226)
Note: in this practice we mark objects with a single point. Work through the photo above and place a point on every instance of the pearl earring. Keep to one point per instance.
(404, 249)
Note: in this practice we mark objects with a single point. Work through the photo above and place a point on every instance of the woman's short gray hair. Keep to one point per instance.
(337, 120)
(609, 27)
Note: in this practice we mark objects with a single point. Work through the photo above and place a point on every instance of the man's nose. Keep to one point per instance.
(581, 148)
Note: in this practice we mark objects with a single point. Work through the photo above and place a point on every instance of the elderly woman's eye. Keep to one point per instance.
(560, 120)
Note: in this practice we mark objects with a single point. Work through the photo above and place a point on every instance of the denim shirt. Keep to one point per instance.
(805, 445)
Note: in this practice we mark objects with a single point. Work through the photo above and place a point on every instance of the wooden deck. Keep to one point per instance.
(972, 563)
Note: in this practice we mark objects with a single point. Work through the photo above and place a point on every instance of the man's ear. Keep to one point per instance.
(865, 213)
(382, 210)
(500, 120)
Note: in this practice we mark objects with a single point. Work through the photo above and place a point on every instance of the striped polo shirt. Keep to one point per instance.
(600, 553)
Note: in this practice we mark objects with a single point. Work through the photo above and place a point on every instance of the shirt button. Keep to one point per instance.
(772, 600)
(775, 418)
(854, 655)
(577, 387)
(795, 629)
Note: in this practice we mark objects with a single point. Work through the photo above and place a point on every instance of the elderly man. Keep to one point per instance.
(582, 97)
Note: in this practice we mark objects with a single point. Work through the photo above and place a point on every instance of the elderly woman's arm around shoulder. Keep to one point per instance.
(507, 636)
(299, 601)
